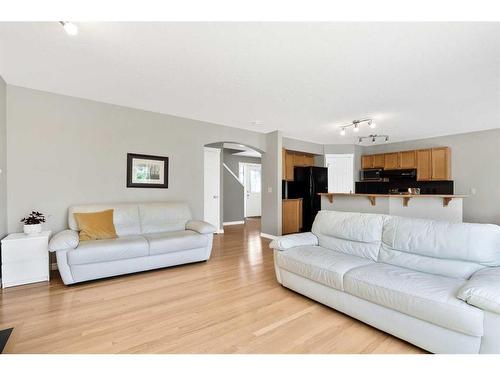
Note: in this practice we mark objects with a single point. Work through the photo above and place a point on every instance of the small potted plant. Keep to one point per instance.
(33, 222)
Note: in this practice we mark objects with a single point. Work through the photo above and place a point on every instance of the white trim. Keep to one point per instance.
(270, 236)
(219, 231)
(234, 222)
(217, 151)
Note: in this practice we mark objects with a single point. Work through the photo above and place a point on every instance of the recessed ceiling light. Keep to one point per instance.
(70, 28)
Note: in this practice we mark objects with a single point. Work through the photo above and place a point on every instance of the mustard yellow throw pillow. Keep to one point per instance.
(96, 225)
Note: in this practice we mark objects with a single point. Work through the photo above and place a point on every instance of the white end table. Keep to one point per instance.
(25, 259)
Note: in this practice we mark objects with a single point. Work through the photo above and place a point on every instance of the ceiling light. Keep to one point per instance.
(360, 140)
(373, 139)
(386, 139)
(371, 124)
(342, 131)
(70, 28)
(356, 128)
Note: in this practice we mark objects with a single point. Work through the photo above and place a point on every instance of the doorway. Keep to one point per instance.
(251, 175)
(212, 187)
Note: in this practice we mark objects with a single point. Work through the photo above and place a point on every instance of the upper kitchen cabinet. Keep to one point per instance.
(379, 161)
(424, 165)
(408, 159)
(441, 163)
(391, 160)
(293, 159)
(366, 161)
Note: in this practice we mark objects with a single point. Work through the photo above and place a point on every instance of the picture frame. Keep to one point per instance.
(147, 171)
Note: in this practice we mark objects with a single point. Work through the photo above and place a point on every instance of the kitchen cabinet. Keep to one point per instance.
(291, 215)
(408, 159)
(293, 159)
(379, 161)
(433, 164)
(366, 161)
(391, 160)
(441, 163)
(288, 166)
(424, 167)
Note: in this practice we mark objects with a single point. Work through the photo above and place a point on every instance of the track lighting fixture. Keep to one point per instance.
(355, 124)
(374, 138)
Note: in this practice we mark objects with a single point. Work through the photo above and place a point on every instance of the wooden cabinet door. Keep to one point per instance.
(391, 160)
(424, 165)
(366, 161)
(289, 166)
(408, 159)
(379, 161)
(290, 216)
(309, 160)
(283, 164)
(441, 163)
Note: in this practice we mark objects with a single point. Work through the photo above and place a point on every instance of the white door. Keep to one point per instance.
(340, 173)
(252, 183)
(212, 186)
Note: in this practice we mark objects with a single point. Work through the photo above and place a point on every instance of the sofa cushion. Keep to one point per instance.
(424, 296)
(169, 242)
(163, 217)
(322, 265)
(352, 233)
(460, 249)
(125, 217)
(96, 225)
(98, 251)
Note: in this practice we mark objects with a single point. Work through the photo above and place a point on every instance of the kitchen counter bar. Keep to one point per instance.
(434, 206)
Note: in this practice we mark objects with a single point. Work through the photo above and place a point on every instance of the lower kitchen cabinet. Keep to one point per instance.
(291, 215)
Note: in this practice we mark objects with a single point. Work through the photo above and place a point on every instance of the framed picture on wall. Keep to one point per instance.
(147, 171)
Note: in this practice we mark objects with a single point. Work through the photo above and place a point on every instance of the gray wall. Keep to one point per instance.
(271, 184)
(475, 165)
(3, 158)
(233, 190)
(303, 146)
(63, 150)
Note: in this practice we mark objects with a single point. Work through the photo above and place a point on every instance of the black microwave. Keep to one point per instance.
(371, 174)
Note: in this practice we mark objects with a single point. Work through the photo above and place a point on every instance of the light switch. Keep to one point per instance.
(269, 189)
(473, 191)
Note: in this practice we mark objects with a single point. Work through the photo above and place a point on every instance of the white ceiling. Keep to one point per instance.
(416, 79)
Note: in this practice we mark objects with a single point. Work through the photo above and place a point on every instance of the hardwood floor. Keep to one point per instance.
(230, 304)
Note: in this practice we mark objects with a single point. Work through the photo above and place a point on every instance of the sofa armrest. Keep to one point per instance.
(65, 240)
(483, 290)
(201, 227)
(293, 240)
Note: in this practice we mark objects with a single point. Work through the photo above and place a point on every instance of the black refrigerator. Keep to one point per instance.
(307, 183)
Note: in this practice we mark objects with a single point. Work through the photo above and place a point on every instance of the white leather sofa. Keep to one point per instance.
(432, 283)
(150, 235)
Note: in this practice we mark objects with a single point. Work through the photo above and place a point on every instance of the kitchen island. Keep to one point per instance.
(429, 206)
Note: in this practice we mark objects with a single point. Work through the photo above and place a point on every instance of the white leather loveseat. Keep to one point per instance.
(150, 235)
(435, 284)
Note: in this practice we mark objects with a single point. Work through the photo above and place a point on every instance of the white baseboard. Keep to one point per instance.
(219, 231)
(234, 222)
(270, 236)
